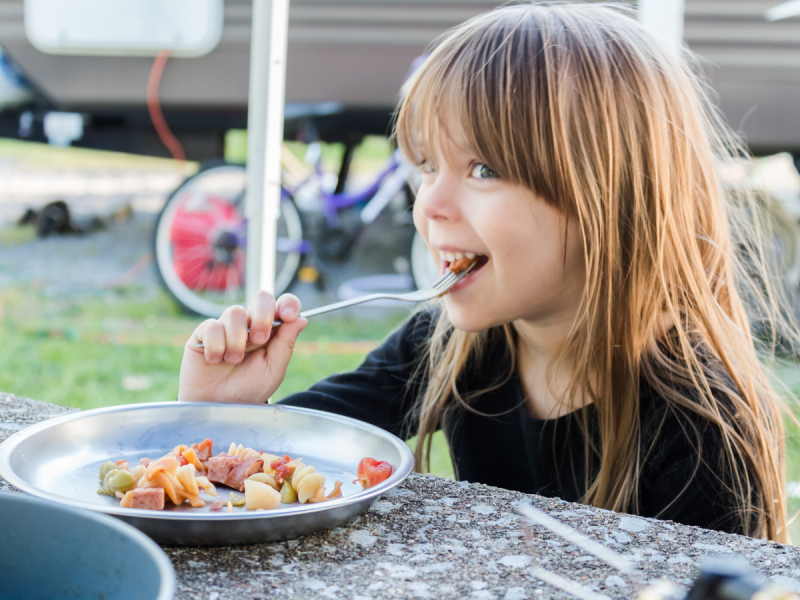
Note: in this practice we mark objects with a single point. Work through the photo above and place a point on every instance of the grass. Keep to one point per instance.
(33, 154)
(370, 155)
(120, 349)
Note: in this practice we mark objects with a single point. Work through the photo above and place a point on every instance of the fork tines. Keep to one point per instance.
(450, 278)
(445, 280)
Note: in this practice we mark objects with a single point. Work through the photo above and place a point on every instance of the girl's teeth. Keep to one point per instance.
(450, 256)
(459, 256)
(469, 255)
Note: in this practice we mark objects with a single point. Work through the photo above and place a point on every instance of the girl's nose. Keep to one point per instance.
(437, 200)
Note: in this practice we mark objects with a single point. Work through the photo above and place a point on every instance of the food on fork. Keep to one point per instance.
(460, 264)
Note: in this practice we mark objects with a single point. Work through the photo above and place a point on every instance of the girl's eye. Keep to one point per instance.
(481, 171)
(427, 166)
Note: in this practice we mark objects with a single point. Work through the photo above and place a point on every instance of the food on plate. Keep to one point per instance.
(232, 471)
(146, 498)
(267, 480)
(288, 493)
(236, 500)
(260, 495)
(116, 480)
(310, 485)
(372, 472)
(460, 264)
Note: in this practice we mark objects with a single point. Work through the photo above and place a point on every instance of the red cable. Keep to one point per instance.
(154, 106)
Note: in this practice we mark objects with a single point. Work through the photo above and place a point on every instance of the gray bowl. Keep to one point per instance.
(50, 550)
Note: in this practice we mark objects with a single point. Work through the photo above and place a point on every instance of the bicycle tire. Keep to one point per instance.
(215, 195)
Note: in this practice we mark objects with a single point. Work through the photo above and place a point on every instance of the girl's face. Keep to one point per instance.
(530, 256)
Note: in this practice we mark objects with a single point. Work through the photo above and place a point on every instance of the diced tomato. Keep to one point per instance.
(183, 461)
(372, 472)
(282, 472)
(206, 442)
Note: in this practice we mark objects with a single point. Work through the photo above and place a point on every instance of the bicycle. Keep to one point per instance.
(200, 236)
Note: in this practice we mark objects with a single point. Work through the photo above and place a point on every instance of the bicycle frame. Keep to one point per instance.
(377, 196)
(376, 201)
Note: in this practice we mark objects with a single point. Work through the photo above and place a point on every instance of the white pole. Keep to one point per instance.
(784, 10)
(664, 18)
(264, 139)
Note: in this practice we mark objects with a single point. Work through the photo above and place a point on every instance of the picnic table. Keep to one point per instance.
(436, 538)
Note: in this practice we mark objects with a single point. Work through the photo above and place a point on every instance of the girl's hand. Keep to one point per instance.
(234, 366)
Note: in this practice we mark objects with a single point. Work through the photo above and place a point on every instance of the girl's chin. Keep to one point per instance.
(466, 320)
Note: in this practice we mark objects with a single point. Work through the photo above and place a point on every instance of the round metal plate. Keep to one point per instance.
(59, 460)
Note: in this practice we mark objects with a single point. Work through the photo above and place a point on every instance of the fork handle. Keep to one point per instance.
(321, 310)
(331, 307)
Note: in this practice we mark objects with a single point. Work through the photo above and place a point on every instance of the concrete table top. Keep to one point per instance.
(435, 538)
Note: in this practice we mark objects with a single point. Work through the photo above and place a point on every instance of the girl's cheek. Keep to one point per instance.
(420, 221)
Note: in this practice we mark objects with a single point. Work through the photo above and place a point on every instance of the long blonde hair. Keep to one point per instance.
(580, 105)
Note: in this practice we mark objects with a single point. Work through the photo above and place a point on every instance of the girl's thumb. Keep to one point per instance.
(281, 345)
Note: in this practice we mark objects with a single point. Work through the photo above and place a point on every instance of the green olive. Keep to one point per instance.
(105, 468)
(288, 495)
(236, 500)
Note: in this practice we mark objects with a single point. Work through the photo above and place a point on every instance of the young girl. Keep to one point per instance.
(600, 351)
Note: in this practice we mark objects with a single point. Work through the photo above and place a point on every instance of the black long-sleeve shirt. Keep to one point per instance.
(499, 444)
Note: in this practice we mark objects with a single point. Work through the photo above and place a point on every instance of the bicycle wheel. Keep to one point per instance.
(423, 269)
(199, 241)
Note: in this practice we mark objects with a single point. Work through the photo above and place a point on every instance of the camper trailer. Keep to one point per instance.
(346, 62)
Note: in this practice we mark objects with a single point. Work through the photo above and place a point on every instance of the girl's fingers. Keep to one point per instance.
(287, 308)
(281, 347)
(261, 313)
(234, 322)
(213, 339)
(197, 336)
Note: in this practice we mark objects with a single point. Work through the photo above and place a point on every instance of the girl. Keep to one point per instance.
(601, 350)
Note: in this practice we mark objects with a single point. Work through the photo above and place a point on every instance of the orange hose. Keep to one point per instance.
(154, 107)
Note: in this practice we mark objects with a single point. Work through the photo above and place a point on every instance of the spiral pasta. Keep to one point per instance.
(309, 485)
(242, 452)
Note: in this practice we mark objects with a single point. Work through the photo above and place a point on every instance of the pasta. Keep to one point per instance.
(186, 472)
(460, 264)
(179, 483)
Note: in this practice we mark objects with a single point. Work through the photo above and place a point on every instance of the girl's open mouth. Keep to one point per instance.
(480, 258)
(481, 262)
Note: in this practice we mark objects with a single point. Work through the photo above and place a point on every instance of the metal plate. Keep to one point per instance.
(59, 460)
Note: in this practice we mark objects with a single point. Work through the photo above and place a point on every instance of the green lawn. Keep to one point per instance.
(33, 154)
(91, 352)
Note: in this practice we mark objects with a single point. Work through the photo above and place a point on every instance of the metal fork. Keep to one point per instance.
(438, 288)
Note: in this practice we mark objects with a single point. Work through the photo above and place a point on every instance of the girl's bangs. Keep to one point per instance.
(430, 108)
(477, 89)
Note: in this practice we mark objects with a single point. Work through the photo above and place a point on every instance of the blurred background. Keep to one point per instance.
(122, 183)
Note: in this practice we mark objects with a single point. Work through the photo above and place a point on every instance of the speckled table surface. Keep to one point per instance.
(435, 538)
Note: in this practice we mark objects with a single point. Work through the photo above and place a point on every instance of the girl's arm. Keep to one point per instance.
(377, 392)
